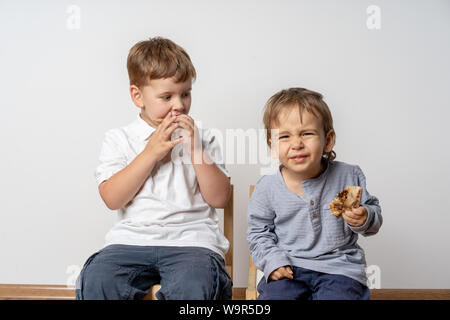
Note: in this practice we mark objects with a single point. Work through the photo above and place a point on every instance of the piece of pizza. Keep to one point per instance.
(348, 198)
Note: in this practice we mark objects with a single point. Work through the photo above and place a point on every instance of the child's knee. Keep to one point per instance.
(99, 281)
(339, 287)
(205, 280)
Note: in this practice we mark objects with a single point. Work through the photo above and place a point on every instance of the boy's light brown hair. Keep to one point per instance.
(158, 58)
(305, 100)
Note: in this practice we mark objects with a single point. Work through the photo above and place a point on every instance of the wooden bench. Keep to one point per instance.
(62, 292)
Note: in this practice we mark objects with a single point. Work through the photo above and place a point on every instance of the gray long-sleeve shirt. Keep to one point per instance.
(285, 228)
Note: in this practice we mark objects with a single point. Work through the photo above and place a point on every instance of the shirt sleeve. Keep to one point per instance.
(374, 219)
(266, 254)
(112, 159)
(213, 145)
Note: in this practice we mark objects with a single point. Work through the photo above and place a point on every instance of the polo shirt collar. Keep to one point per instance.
(142, 129)
(318, 179)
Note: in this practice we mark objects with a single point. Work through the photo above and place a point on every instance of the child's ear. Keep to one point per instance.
(330, 139)
(136, 96)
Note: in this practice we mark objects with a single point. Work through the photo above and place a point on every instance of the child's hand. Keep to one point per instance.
(159, 143)
(189, 132)
(281, 272)
(355, 217)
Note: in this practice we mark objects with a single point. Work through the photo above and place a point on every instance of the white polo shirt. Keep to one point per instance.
(169, 209)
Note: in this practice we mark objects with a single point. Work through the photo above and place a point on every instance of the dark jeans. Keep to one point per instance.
(312, 285)
(125, 272)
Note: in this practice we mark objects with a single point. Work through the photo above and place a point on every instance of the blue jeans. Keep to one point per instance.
(313, 285)
(126, 272)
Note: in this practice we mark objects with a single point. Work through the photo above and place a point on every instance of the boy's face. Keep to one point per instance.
(160, 96)
(301, 144)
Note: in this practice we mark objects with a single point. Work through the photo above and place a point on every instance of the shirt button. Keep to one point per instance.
(314, 215)
(312, 202)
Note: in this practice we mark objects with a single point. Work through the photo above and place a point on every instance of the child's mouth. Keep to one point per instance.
(299, 158)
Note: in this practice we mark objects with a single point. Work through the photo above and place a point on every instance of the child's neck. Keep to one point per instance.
(294, 180)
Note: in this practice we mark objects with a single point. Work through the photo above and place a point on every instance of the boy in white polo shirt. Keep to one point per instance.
(160, 173)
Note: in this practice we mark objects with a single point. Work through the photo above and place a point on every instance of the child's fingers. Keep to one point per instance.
(175, 142)
(348, 215)
(280, 273)
(286, 274)
(168, 120)
(359, 212)
(169, 130)
(355, 216)
(275, 275)
(185, 117)
(351, 214)
(351, 219)
(186, 124)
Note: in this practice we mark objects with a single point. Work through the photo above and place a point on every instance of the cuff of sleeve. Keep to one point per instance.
(274, 264)
(362, 228)
(222, 168)
(103, 176)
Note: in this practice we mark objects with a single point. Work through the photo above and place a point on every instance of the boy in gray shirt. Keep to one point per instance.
(305, 251)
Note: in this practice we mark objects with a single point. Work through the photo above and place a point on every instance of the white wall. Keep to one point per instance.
(61, 89)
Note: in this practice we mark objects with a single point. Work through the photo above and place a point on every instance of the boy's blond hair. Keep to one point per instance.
(305, 100)
(158, 58)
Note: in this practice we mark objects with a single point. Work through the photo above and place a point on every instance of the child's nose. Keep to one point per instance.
(178, 109)
(178, 106)
(297, 144)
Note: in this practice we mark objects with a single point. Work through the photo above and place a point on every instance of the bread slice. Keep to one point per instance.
(348, 198)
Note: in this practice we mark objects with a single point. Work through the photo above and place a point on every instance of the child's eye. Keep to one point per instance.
(284, 137)
(166, 97)
(187, 94)
(308, 134)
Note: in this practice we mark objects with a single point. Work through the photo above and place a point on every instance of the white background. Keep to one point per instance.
(62, 89)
